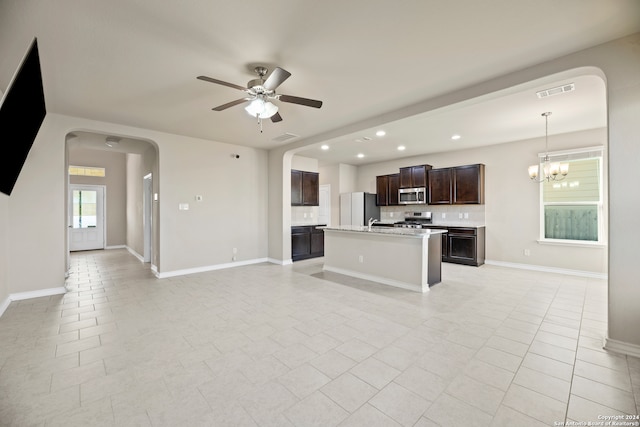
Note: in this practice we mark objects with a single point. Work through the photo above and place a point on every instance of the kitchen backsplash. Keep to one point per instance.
(304, 215)
(453, 214)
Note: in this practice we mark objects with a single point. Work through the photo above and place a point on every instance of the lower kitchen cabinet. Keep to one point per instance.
(306, 242)
(463, 245)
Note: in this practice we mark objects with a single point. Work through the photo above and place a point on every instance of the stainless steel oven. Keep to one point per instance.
(412, 196)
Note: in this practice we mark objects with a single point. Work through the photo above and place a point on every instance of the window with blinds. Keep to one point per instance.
(572, 208)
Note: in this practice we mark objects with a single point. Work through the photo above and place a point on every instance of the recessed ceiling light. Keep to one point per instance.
(381, 133)
(401, 147)
(455, 137)
(325, 147)
(360, 155)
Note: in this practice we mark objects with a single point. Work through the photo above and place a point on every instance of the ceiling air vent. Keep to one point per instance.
(285, 137)
(556, 90)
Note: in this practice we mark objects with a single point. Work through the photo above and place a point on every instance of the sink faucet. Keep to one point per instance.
(371, 222)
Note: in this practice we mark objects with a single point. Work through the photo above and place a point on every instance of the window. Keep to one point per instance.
(572, 209)
(86, 171)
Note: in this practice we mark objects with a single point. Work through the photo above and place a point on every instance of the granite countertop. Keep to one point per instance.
(395, 231)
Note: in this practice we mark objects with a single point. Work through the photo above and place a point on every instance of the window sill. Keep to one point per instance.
(574, 243)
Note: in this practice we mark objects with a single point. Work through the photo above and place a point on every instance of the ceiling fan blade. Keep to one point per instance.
(229, 104)
(302, 101)
(220, 82)
(276, 78)
(276, 118)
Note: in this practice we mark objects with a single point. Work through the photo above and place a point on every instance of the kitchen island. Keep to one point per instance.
(400, 257)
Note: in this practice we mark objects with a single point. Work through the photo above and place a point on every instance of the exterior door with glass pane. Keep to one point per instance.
(86, 217)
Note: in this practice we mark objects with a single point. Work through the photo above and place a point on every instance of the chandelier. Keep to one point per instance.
(550, 171)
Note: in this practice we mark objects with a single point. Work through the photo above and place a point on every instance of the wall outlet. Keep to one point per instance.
(183, 206)
(527, 252)
(390, 214)
(305, 215)
(444, 215)
(466, 215)
(460, 215)
(361, 258)
(235, 251)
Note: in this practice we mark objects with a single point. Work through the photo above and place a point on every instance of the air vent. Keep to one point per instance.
(285, 137)
(556, 90)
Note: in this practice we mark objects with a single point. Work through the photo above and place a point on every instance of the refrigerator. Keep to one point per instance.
(356, 208)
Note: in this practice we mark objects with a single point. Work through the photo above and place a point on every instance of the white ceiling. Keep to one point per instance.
(135, 63)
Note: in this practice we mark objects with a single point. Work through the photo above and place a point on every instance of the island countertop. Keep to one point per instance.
(394, 231)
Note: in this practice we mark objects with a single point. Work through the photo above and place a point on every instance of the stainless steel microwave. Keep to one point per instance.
(412, 196)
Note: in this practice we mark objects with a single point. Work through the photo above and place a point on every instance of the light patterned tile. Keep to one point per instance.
(476, 393)
(400, 404)
(451, 412)
(603, 375)
(534, 404)
(367, 415)
(543, 383)
(612, 397)
(316, 410)
(349, 391)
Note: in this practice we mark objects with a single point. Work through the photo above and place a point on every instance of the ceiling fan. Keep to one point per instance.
(261, 92)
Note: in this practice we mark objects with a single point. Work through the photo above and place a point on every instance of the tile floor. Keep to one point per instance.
(280, 346)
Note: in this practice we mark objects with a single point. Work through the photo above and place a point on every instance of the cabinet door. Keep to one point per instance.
(439, 186)
(317, 243)
(419, 176)
(468, 184)
(296, 188)
(310, 188)
(394, 185)
(406, 180)
(382, 188)
(300, 244)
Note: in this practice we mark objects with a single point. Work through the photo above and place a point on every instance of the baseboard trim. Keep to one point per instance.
(4, 305)
(116, 247)
(580, 273)
(135, 254)
(37, 294)
(621, 347)
(186, 271)
(280, 261)
(378, 279)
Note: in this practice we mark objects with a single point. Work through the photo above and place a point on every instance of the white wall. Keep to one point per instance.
(232, 214)
(511, 211)
(134, 205)
(4, 254)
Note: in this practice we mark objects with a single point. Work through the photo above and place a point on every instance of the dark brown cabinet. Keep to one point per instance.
(387, 189)
(304, 188)
(306, 242)
(439, 186)
(456, 186)
(463, 245)
(414, 176)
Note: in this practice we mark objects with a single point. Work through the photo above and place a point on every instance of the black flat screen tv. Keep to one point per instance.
(22, 110)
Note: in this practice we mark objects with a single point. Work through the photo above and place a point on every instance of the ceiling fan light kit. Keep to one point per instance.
(260, 94)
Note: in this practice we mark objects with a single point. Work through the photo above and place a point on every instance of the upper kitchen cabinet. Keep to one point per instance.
(459, 185)
(468, 184)
(414, 176)
(304, 188)
(387, 189)
(439, 186)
